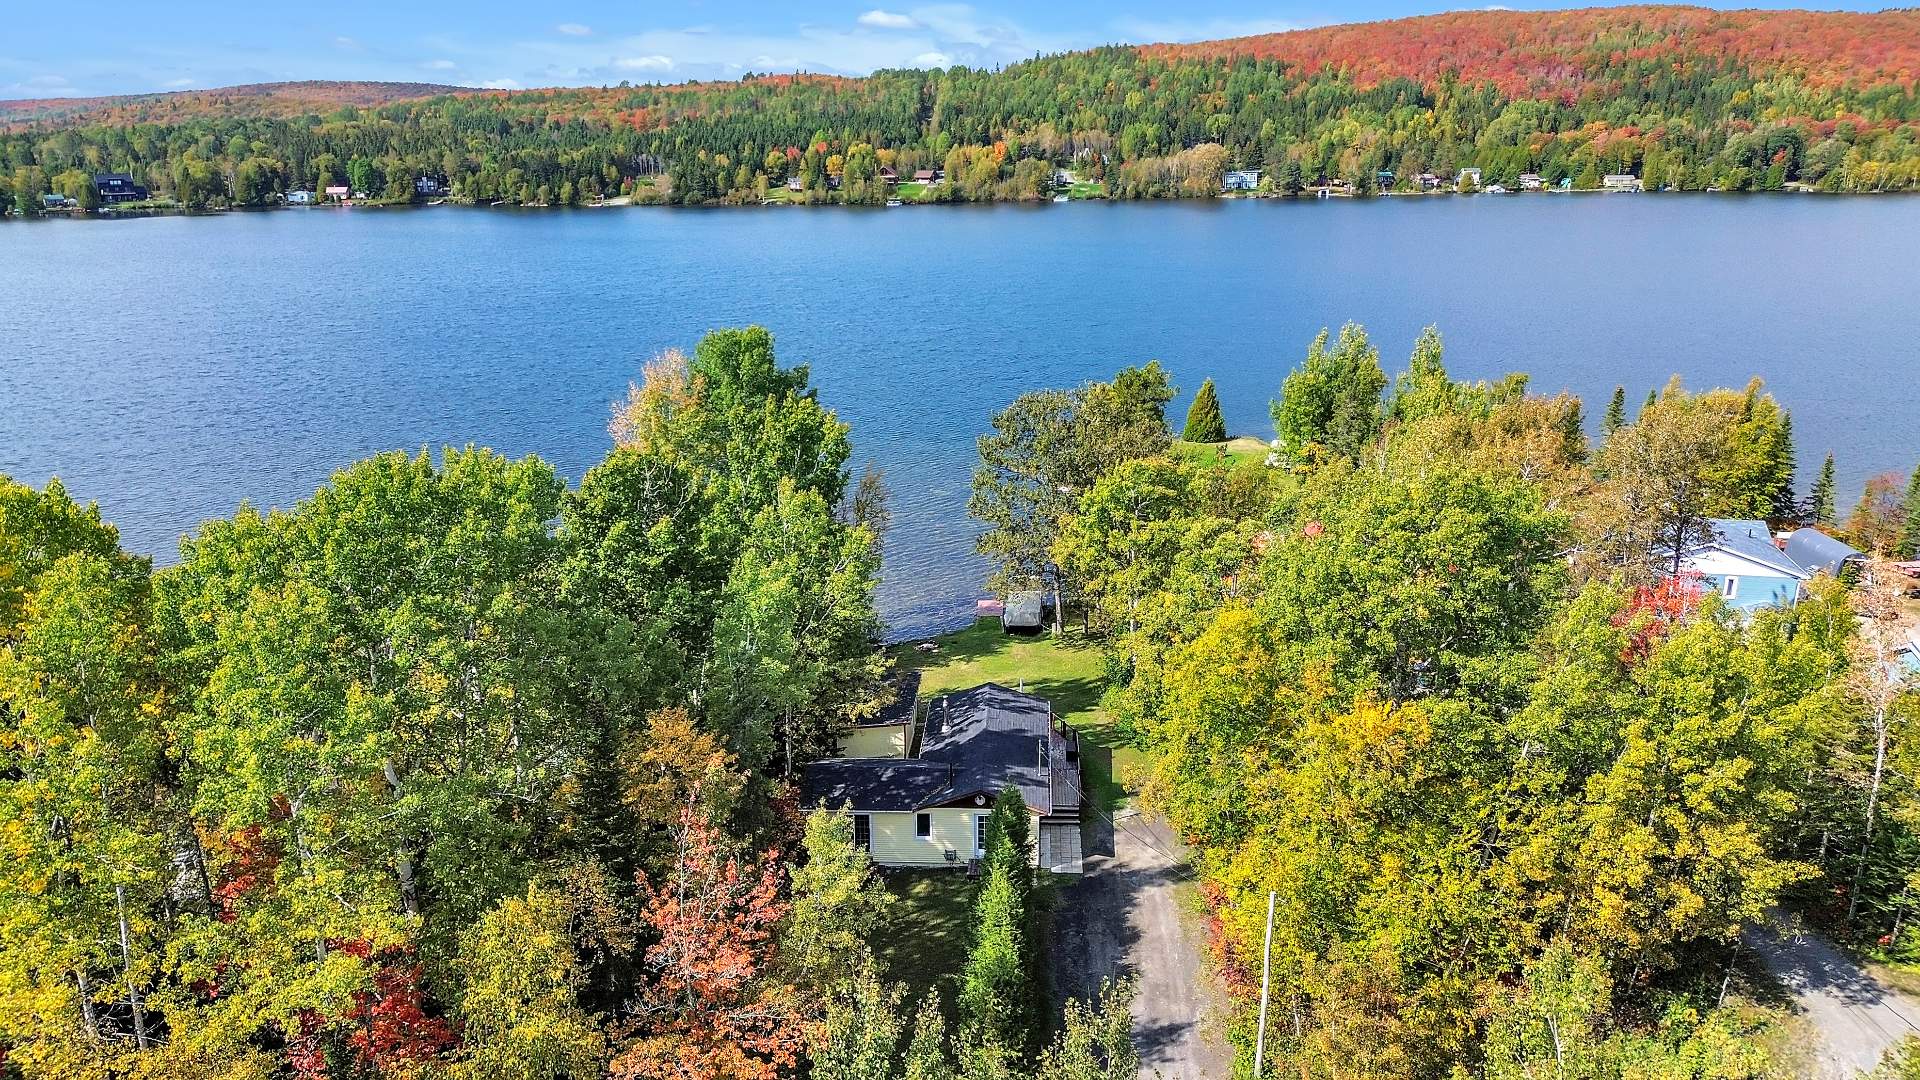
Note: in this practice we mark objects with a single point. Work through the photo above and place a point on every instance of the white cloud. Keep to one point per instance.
(888, 20)
(933, 60)
(344, 42)
(439, 65)
(500, 84)
(574, 29)
(654, 62)
(177, 84)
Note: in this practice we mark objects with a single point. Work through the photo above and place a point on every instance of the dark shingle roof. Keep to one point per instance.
(994, 737)
(977, 741)
(874, 783)
(900, 709)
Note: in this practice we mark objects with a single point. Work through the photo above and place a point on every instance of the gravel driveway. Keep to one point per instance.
(1124, 916)
(1858, 1018)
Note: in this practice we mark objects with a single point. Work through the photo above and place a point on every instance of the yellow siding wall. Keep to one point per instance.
(888, 741)
(894, 843)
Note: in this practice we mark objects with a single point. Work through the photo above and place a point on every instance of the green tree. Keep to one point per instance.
(1095, 1042)
(860, 1036)
(1616, 417)
(1908, 544)
(928, 1056)
(1822, 501)
(1204, 422)
(837, 907)
(1330, 405)
(996, 994)
(522, 975)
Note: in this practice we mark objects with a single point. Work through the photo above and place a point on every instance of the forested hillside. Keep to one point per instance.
(1682, 97)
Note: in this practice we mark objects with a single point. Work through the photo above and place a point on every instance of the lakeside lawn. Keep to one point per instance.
(937, 905)
(1067, 672)
(1235, 451)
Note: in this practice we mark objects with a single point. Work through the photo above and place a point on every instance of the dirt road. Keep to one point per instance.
(1125, 916)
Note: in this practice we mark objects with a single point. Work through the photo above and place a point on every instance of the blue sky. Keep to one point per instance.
(49, 52)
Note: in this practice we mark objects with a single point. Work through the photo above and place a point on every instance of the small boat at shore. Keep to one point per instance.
(893, 202)
(1060, 198)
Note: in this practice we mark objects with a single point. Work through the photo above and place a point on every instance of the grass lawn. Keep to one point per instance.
(1087, 189)
(936, 905)
(908, 191)
(1065, 672)
(1234, 451)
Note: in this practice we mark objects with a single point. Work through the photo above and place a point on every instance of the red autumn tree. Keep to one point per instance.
(708, 1013)
(1653, 609)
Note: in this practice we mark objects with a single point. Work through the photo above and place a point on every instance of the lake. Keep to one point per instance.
(171, 367)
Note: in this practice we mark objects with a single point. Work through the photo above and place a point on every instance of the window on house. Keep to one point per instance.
(923, 825)
(1729, 586)
(862, 832)
(979, 835)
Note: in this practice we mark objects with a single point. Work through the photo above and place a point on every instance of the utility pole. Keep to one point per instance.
(1266, 975)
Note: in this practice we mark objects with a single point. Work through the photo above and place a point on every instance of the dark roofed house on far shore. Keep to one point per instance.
(118, 187)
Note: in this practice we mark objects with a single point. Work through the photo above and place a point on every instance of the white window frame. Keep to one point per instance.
(980, 835)
(1729, 585)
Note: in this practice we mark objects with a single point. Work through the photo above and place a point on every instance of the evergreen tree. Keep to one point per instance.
(1653, 396)
(1821, 502)
(1616, 411)
(1204, 422)
(996, 994)
(1908, 544)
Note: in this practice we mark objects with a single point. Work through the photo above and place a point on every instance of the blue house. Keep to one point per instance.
(1240, 180)
(1743, 566)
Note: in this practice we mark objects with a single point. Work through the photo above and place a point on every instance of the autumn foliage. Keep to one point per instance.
(708, 1013)
(1540, 53)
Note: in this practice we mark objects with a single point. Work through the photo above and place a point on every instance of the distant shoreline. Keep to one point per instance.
(624, 203)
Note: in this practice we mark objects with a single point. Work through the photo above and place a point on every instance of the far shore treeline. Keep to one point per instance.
(1681, 98)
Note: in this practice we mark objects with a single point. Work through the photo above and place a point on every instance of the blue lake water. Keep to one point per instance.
(171, 367)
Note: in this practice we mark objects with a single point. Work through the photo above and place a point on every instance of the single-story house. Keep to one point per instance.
(118, 188)
(426, 185)
(888, 733)
(1531, 182)
(339, 191)
(925, 176)
(1429, 181)
(1620, 182)
(1741, 563)
(795, 183)
(888, 176)
(52, 201)
(1024, 613)
(932, 809)
(300, 197)
(1384, 178)
(1240, 180)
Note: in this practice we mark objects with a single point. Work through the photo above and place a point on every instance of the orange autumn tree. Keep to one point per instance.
(709, 1012)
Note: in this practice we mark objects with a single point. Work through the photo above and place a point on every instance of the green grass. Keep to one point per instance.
(1087, 189)
(1067, 672)
(1234, 451)
(923, 942)
(908, 191)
